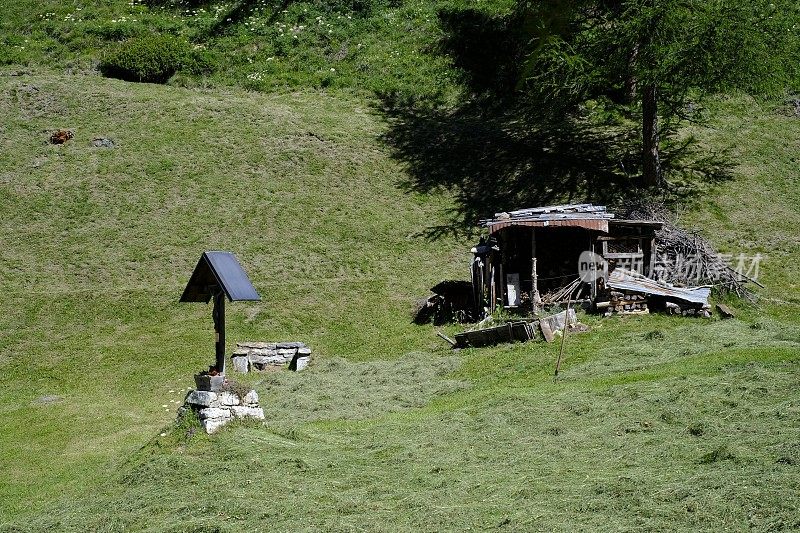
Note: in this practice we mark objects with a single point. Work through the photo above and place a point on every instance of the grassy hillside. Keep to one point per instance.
(658, 423)
(372, 46)
(282, 153)
(98, 244)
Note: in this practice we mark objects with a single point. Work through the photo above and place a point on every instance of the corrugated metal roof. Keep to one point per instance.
(587, 216)
(592, 224)
(633, 281)
(220, 269)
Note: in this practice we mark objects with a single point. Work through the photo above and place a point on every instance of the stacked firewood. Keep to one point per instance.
(676, 244)
(689, 309)
(624, 303)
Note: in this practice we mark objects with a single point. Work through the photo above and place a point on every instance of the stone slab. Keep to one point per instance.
(300, 363)
(257, 345)
(271, 360)
(202, 398)
(214, 412)
(241, 411)
(241, 364)
(262, 351)
(211, 425)
(291, 345)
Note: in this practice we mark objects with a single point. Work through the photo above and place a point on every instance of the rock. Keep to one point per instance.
(50, 398)
(202, 398)
(214, 412)
(285, 345)
(263, 355)
(211, 425)
(268, 360)
(241, 364)
(257, 345)
(251, 398)
(241, 411)
(300, 363)
(265, 352)
(228, 398)
(102, 142)
(556, 322)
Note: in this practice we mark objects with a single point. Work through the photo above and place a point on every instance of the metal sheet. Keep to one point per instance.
(633, 281)
(220, 269)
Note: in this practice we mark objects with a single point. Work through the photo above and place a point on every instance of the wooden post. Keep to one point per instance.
(593, 285)
(563, 338)
(502, 293)
(653, 259)
(492, 285)
(219, 329)
(536, 299)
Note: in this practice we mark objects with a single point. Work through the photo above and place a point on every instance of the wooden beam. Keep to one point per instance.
(653, 258)
(536, 298)
(593, 285)
(218, 314)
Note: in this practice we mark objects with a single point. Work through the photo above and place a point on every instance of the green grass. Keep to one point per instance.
(693, 427)
(99, 243)
(370, 46)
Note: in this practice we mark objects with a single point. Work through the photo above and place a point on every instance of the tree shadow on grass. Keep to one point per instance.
(499, 151)
(495, 160)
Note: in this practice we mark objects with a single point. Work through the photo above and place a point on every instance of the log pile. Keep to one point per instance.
(688, 309)
(676, 245)
(624, 303)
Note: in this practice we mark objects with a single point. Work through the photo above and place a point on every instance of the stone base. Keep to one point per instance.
(215, 409)
(267, 355)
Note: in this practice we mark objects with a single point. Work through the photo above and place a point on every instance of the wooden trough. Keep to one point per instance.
(519, 331)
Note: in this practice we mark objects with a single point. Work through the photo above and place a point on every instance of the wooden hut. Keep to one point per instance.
(534, 256)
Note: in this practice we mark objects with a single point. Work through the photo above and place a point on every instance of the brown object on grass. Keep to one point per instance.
(725, 311)
(61, 136)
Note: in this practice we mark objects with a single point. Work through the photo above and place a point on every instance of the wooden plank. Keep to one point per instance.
(536, 298)
(547, 333)
(725, 311)
(632, 255)
(445, 337)
(650, 271)
(593, 285)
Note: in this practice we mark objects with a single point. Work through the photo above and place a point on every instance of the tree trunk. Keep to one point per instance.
(651, 162)
(630, 81)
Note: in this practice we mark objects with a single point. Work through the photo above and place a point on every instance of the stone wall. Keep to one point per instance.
(215, 409)
(264, 355)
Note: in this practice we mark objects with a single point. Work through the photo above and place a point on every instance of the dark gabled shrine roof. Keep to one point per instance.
(219, 269)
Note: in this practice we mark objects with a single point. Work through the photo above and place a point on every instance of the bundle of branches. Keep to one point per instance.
(686, 258)
(562, 294)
